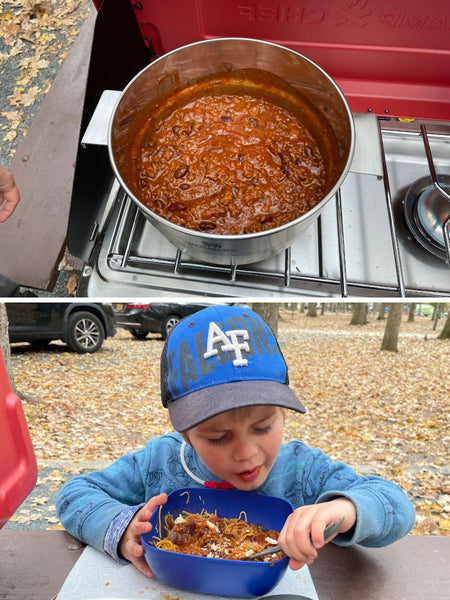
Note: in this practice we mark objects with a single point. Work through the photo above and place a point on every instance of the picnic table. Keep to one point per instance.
(35, 563)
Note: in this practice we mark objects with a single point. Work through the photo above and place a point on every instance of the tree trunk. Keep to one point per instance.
(322, 308)
(412, 312)
(436, 316)
(445, 333)
(390, 338)
(293, 307)
(312, 310)
(269, 312)
(381, 312)
(4, 346)
(359, 314)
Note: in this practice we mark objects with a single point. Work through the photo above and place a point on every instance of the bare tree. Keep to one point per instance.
(412, 312)
(343, 307)
(437, 314)
(381, 312)
(359, 313)
(445, 333)
(269, 311)
(312, 310)
(292, 307)
(4, 345)
(390, 338)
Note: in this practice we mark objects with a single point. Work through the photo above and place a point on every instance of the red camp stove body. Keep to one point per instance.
(388, 58)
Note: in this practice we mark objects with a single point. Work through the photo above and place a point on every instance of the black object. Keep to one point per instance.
(82, 326)
(142, 319)
(118, 52)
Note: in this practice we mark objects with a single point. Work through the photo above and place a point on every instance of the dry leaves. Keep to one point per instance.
(35, 36)
(381, 412)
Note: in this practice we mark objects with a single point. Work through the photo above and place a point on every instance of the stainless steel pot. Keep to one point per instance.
(185, 65)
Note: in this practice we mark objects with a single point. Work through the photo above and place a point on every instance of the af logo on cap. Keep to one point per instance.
(230, 343)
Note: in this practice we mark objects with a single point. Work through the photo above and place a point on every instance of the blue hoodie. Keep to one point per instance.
(97, 508)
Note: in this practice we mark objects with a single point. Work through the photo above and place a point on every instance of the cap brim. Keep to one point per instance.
(195, 408)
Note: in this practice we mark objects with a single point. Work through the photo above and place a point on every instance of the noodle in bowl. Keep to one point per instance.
(217, 576)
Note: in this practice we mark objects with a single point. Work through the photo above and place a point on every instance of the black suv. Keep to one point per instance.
(155, 317)
(82, 326)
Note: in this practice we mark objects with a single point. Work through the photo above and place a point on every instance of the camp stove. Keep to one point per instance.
(386, 233)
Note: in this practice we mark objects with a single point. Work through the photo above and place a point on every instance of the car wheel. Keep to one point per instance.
(168, 324)
(139, 334)
(85, 332)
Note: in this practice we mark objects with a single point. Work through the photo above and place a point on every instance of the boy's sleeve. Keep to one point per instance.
(384, 512)
(88, 504)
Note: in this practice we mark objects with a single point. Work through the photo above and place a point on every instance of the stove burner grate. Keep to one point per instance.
(125, 257)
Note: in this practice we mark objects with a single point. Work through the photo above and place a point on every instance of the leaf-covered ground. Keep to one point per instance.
(383, 413)
(35, 36)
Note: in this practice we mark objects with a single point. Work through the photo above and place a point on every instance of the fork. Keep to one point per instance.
(327, 533)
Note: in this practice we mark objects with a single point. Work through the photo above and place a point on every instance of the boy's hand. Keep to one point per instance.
(9, 194)
(307, 523)
(130, 546)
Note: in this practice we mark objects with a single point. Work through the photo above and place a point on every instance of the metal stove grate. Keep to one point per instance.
(121, 257)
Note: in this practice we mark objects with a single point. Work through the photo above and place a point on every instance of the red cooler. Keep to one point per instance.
(18, 467)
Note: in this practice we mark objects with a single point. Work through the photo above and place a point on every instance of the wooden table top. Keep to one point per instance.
(34, 565)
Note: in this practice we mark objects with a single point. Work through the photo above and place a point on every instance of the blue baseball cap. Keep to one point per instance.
(221, 358)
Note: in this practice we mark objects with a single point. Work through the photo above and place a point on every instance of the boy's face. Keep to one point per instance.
(240, 447)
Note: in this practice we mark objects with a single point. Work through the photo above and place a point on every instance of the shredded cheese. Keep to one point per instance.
(270, 540)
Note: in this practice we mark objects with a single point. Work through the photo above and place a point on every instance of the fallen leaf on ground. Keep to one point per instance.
(383, 413)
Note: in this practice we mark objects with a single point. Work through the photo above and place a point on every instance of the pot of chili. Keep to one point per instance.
(231, 146)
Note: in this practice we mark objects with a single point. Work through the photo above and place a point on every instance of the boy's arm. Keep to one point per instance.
(88, 504)
(384, 512)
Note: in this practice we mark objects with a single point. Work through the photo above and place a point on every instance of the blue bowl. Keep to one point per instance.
(218, 576)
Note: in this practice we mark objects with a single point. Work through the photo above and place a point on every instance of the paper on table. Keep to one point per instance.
(97, 576)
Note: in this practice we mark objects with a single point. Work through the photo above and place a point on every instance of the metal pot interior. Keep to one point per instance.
(263, 69)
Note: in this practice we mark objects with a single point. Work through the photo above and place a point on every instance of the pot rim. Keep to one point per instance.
(208, 236)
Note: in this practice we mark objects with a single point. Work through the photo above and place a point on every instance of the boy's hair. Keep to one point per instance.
(219, 359)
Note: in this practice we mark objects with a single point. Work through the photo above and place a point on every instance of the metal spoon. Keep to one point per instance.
(327, 533)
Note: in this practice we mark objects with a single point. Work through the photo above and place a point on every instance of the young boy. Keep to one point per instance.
(225, 383)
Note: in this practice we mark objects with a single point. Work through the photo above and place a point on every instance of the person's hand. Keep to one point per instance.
(9, 194)
(302, 533)
(130, 546)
